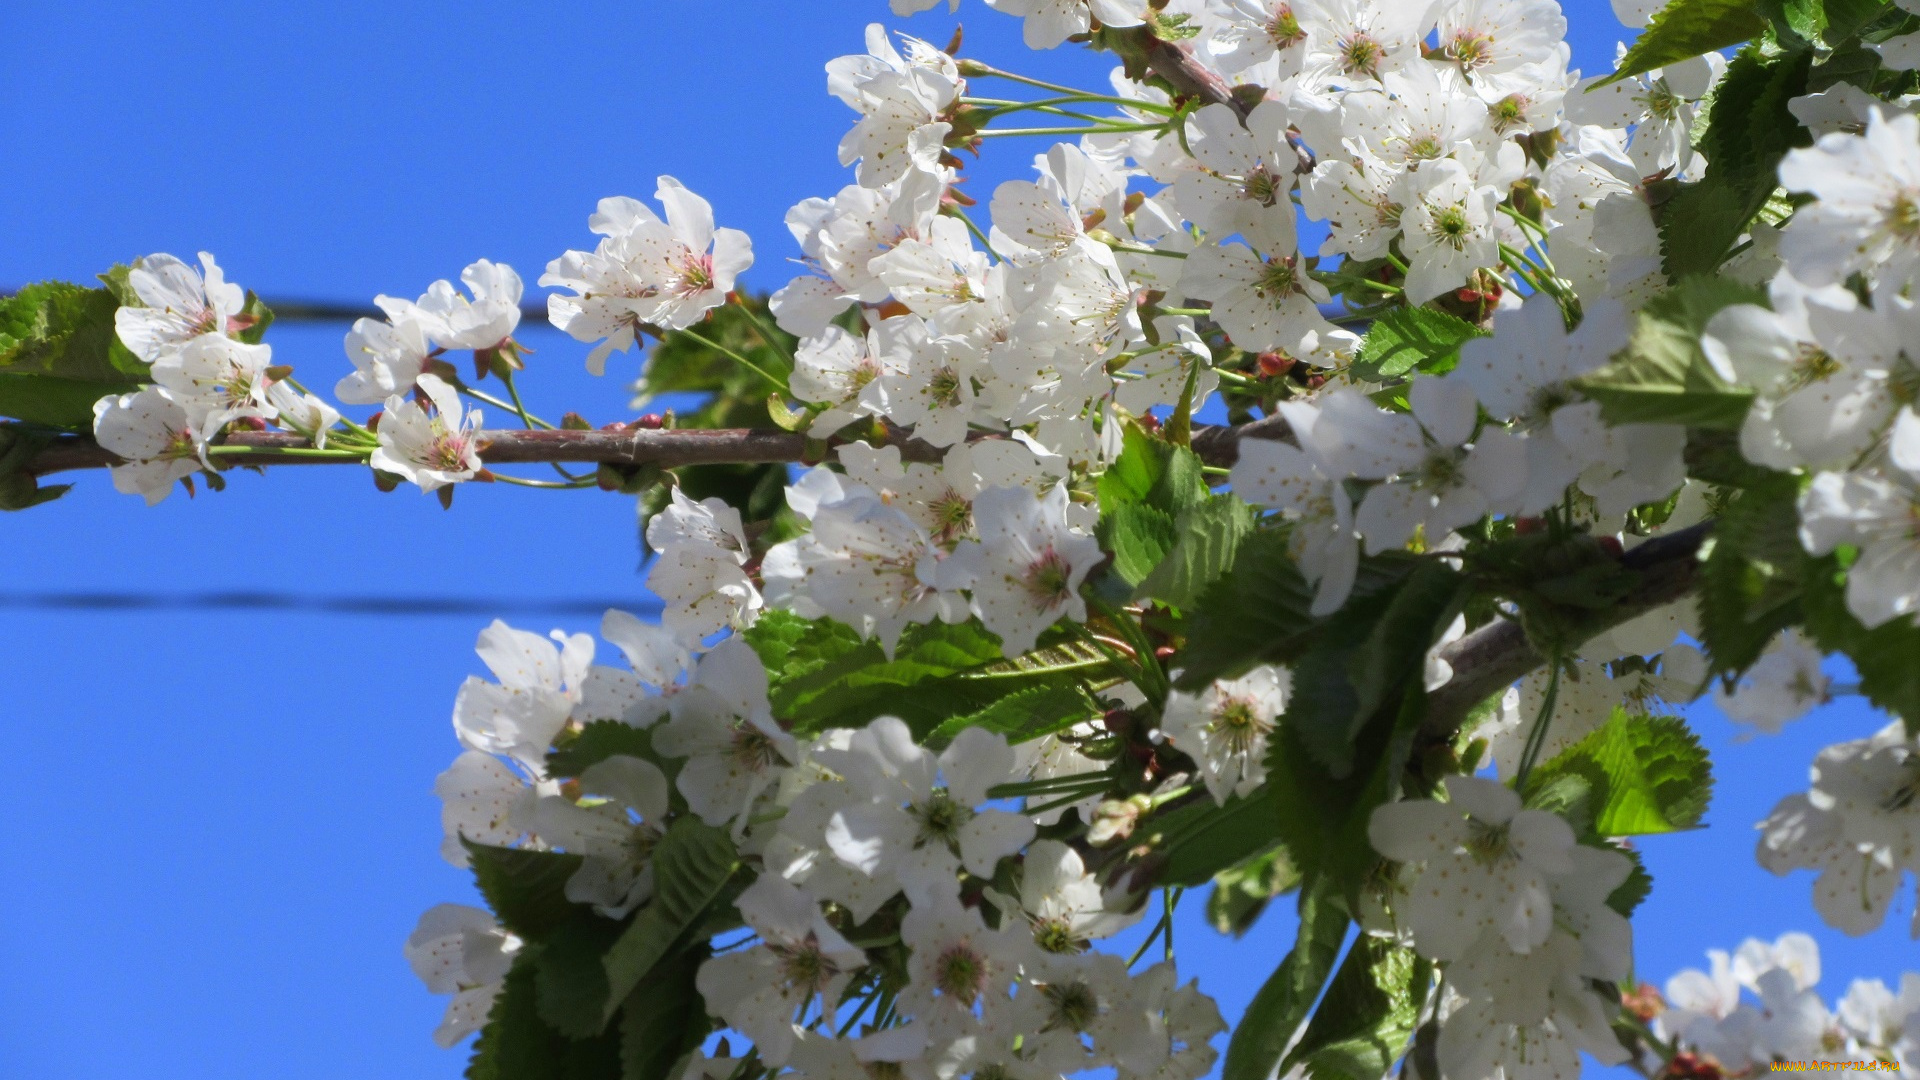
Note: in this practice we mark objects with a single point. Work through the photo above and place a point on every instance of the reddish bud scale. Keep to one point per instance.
(1274, 364)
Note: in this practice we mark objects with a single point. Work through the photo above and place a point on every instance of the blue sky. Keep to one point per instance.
(220, 825)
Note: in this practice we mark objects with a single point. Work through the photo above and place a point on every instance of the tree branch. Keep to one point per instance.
(1176, 63)
(667, 449)
(1493, 657)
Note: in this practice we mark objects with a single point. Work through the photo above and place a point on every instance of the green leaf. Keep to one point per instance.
(1886, 657)
(1363, 658)
(1262, 600)
(527, 890)
(1406, 339)
(1286, 998)
(1139, 536)
(55, 402)
(1241, 893)
(828, 677)
(517, 1045)
(663, 1021)
(569, 982)
(1637, 887)
(1649, 774)
(1688, 28)
(255, 316)
(60, 353)
(1026, 714)
(597, 742)
(1205, 839)
(1752, 579)
(691, 866)
(1209, 536)
(1371, 1008)
(1154, 473)
(1749, 130)
(1663, 377)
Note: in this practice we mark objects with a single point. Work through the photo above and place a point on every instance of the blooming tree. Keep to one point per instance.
(1591, 398)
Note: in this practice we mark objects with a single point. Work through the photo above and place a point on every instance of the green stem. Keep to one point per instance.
(985, 240)
(289, 451)
(526, 417)
(1080, 95)
(1537, 738)
(772, 337)
(483, 397)
(779, 384)
(1170, 898)
(351, 426)
(1106, 129)
(551, 485)
(1196, 312)
(1162, 925)
(1050, 107)
(1136, 249)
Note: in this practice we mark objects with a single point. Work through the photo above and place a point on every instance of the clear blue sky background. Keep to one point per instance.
(219, 825)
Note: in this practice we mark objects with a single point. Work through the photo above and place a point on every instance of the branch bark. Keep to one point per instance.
(668, 449)
(1484, 662)
(1493, 657)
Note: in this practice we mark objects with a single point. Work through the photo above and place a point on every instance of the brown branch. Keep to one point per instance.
(1484, 662)
(667, 449)
(1183, 71)
(1493, 657)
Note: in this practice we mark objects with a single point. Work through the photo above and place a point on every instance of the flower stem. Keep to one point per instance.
(1078, 95)
(551, 485)
(527, 418)
(779, 384)
(1105, 129)
(771, 337)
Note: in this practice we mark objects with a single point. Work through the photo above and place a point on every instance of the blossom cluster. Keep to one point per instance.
(1758, 1006)
(1857, 826)
(968, 390)
(1517, 911)
(849, 832)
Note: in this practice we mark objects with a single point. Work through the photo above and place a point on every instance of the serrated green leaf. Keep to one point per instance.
(1649, 774)
(1886, 657)
(825, 676)
(1407, 339)
(570, 985)
(1750, 129)
(517, 1045)
(1241, 893)
(691, 866)
(1026, 714)
(1152, 472)
(1207, 538)
(1637, 887)
(1205, 839)
(1262, 600)
(1688, 28)
(525, 889)
(1751, 581)
(1370, 1010)
(1323, 707)
(1139, 536)
(663, 1021)
(1663, 377)
(60, 353)
(1283, 1002)
(55, 402)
